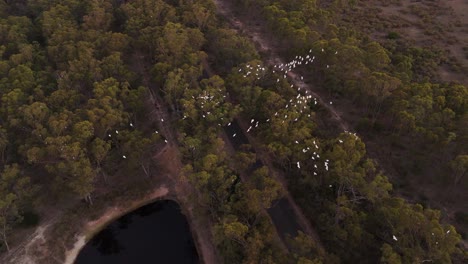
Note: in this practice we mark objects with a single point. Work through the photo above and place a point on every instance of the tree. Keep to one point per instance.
(15, 189)
(3, 144)
(304, 249)
(263, 189)
(60, 122)
(198, 15)
(229, 49)
(174, 88)
(35, 114)
(106, 110)
(420, 235)
(83, 131)
(99, 150)
(139, 149)
(389, 256)
(229, 238)
(80, 177)
(99, 17)
(459, 168)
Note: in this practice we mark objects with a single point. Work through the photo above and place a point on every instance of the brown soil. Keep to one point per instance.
(279, 175)
(441, 24)
(265, 46)
(171, 165)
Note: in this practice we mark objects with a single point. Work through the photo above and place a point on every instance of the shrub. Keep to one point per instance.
(30, 219)
(393, 35)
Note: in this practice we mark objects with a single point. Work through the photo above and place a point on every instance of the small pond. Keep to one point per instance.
(155, 233)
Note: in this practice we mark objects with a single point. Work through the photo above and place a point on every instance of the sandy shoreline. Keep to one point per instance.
(93, 227)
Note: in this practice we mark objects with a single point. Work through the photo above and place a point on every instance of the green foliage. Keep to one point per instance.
(15, 191)
(71, 82)
(459, 167)
(393, 35)
(30, 219)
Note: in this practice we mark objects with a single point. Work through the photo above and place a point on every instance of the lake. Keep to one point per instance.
(155, 233)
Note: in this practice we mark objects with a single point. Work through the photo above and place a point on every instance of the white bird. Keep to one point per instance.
(124, 157)
(165, 141)
(110, 135)
(234, 135)
(162, 119)
(229, 124)
(331, 102)
(156, 132)
(394, 238)
(448, 231)
(330, 185)
(341, 141)
(298, 165)
(116, 131)
(131, 124)
(252, 120)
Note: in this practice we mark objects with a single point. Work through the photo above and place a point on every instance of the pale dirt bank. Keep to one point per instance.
(93, 227)
(34, 248)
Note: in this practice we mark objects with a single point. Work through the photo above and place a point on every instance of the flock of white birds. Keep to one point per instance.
(301, 102)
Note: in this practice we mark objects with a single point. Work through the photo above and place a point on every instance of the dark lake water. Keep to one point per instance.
(155, 233)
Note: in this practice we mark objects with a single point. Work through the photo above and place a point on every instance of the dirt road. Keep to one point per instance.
(200, 227)
(255, 32)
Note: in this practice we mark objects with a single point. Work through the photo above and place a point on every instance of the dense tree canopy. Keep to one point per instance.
(78, 81)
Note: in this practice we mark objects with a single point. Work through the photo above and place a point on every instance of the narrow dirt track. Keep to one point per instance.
(263, 45)
(200, 228)
(250, 29)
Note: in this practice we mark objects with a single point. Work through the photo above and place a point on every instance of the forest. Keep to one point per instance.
(79, 81)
